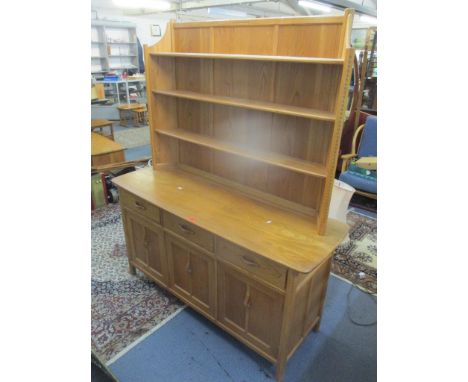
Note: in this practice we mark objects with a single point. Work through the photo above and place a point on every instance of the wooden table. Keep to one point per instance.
(105, 150)
(100, 123)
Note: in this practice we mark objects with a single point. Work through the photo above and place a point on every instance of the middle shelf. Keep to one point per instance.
(251, 104)
(279, 160)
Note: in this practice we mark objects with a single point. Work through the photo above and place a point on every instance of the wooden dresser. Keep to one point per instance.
(232, 218)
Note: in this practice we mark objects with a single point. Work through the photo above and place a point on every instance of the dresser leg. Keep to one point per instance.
(316, 327)
(280, 370)
(131, 269)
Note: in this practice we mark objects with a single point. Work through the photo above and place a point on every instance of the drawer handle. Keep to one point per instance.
(140, 206)
(188, 267)
(185, 229)
(250, 262)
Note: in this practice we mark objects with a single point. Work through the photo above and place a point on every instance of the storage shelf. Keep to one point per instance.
(279, 160)
(254, 57)
(251, 104)
(122, 55)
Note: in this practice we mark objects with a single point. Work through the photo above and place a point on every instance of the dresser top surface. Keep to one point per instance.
(277, 234)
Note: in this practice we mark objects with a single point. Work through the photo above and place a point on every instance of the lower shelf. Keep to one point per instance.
(279, 160)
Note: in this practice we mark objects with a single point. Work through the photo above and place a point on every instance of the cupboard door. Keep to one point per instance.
(249, 308)
(146, 247)
(191, 274)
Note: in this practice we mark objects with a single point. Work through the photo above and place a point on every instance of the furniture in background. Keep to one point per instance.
(246, 119)
(366, 97)
(364, 184)
(348, 134)
(140, 116)
(113, 46)
(126, 115)
(100, 124)
(105, 150)
(97, 92)
(124, 91)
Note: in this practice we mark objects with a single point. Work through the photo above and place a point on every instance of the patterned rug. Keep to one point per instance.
(124, 307)
(133, 137)
(356, 259)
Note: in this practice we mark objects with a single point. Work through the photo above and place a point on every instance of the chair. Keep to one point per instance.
(364, 184)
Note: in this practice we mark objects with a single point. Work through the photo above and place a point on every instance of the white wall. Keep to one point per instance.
(143, 23)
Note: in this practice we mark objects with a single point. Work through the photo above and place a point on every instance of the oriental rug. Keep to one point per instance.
(123, 307)
(355, 260)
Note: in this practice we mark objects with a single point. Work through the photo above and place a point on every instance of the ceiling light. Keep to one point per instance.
(316, 6)
(160, 5)
(226, 12)
(368, 19)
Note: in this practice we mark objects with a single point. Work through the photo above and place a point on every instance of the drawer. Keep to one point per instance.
(188, 230)
(140, 206)
(265, 269)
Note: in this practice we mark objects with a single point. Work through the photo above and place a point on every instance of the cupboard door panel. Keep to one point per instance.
(180, 268)
(146, 246)
(250, 309)
(234, 294)
(191, 274)
(200, 266)
(155, 252)
(138, 238)
(264, 318)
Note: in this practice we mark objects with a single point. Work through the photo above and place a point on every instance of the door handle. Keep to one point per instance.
(247, 298)
(188, 267)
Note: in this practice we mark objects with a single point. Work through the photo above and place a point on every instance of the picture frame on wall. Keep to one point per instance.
(155, 30)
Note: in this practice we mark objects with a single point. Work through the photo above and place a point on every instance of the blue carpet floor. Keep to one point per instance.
(189, 348)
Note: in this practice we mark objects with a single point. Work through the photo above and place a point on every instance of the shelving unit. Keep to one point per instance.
(114, 44)
(245, 122)
(285, 97)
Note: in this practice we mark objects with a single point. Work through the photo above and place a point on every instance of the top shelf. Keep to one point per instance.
(253, 57)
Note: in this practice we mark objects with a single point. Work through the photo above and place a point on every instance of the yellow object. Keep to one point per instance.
(369, 163)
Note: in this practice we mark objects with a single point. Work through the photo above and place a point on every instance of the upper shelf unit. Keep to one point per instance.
(253, 57)
(257, 105)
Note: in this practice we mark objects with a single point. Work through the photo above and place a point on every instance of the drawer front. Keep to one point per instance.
(189, 231)
(138, 205)
(267, 270)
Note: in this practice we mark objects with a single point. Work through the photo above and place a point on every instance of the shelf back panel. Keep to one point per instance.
(294, 84)
(319, 38)
(300, 138)
(302, 190)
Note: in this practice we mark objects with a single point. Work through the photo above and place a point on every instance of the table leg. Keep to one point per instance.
(112, 131)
